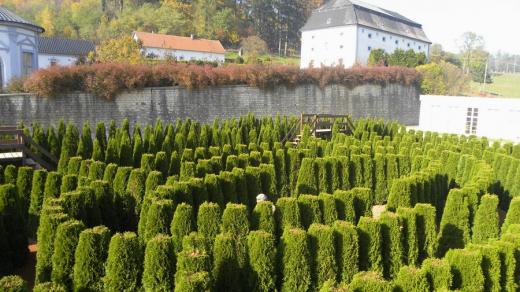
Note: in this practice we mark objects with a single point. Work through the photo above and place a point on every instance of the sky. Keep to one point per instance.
(444, 21)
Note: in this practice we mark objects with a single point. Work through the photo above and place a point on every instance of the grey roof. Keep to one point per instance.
(9, 17)
(68, 47)
(348, 12)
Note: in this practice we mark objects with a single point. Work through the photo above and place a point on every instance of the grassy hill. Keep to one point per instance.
(505, 85)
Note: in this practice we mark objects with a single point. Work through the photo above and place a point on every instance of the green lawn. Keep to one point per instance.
(270, 59)
(506, 85)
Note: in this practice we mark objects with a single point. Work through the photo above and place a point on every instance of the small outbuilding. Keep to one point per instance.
(63, 52)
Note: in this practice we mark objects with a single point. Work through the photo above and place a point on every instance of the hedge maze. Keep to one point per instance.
(172, 207)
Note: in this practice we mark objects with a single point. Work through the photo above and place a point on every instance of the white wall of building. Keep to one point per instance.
(46, 60)
(184, 55)
(495, 118)
(329, 46)
(369, 39)
(14, 41)
(351, 44)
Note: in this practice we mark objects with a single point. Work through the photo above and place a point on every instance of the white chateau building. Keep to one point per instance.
(345, 31)
(23, 50)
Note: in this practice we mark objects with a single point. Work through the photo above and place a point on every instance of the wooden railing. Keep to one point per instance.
(320, 125)
(13, 139)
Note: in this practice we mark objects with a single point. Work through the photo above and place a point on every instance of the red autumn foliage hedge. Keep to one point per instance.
(107, 80)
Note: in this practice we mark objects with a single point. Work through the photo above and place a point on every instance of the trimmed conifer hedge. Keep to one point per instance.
(263, 217)
(13, 284)
(262, 251)
(296, 261)
(307, 182)
(158, 219)
(411, 279)
(159, 264)
(454, 228)
(370, 241)
(466, 267)
(408, 225)
(323, 254)
(438, 273)
(392, 244)
(287, 214)
(124, 265)
(181, 224)
(208, 219)
(369, 282)
(65, 243)
(485, 226)
(310, 211)
(23, 187)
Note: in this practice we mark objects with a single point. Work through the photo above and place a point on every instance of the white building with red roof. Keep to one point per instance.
(180, 48)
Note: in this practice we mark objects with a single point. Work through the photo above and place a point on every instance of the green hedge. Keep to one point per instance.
(345, 203)
(369, 282)
(408, 225)
(159, 264)
(124, 264)
(182, 224)
(485, 226)
(370, 245)
(411, 279)
(454, 227)
(438, 273)
(263, 217)
(296, 261)
(158, 219)
(14, 224)
(262, 253)
(392, 244)
(36, 201)
(65, 243)
(323, 254)
(466, 267)
(226, 270)
(13, 284)
(426, 230)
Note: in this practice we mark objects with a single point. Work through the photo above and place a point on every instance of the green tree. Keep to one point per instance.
(296, 266)
(65, 243)
(262, 253)
(124, 263)
(438, 273)
(159, 264)
(182, 224)
(370, 252)
(466, 268)
(485, 226)
(323, 252)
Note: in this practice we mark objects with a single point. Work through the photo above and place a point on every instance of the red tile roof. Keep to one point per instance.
(165, 41)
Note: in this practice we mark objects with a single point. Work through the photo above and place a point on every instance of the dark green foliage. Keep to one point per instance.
(208, 219)
(124, 263)
(154, 179)
(49, 287)
(466, 267)
(356, 171)
(454, 227)
(98, 153)
(192, 271)
(74, 205)
(401, 194)
(328, 206)
(323, 252)
(111, 154)
(491, 266)
(147, 162)
(392, 244)
(235, 220)
(36, 201)
(10, 174)
(296, 264)
(426, 230)
(242, 188)
(23, 187)
(324, 168)
(381, 183)
(65, 243)
(268, 181)
(97, 170)
(159, 264)
(486, 222)
(513, 214)
(161, 162)
(362, 202)
(85, 142)
(175, 164)
(89, 258)
(370, 240)
(408, 221)
(105, 200)
(213, 186)
(254, 182)
(231, 162)
(121, 180)
(310, 211)
(50, 219)
(84, 167)
(158, 219)
(69, 183)
(345, 205)
(226, 270)
(181, 225)
(13, 284)
(135, 190)
(438, 273)
(228, 183)
(198, 192)
(262, 261)
(14, 224)
(52, 185)
(1, 174)
(369, 282)
(263, 217)
(307, 182)
(368, 170)
(347, 250)
(287, 214)
(188, 170)
(411, 279)
(125, 150)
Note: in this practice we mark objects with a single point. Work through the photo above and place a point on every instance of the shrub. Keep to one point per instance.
(105, 199)
(392, 244)
(69, 183)
(52, 185)
(287, 214)
(226, 270)
(426, 230)
(23, 186)
(362, 202)
(296, 266)
(491, 266)
(345, 205)
(208, 219)
(328, 205)
(263, 217)
(49, 287)
(161, 162)
(369, 282)
(268, 180)
(84, 168)
(153, 180)
(159, 264)
(262, 261)
(133, 197)
(228, 183)
(242, 188)
(14, 223)
(181, 225)
(454, 227)
(175, 164)
(466, 267)
(192, 264)
(324, 172)
(370, 253)
(310, 211)
(198, 192)
(411, 279)
(485, 225)
(347, 250)
(513, 214)
(408, 222)
(112, 155)
(65, 243)
(37, 190)
(124, 263)
(213, 186)
(323, 252)
(307, 182)
(381, 183)
(74, 205)
(89, 258)
(510, 264)
(438, 273)
(97, 170)
(254, 183)
(10, 174)
(50, 219)
(401, 194)
(148, 162)
(235, 220)
(158, 219)
(13, 284)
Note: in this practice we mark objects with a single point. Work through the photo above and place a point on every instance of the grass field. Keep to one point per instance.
(506, 85)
